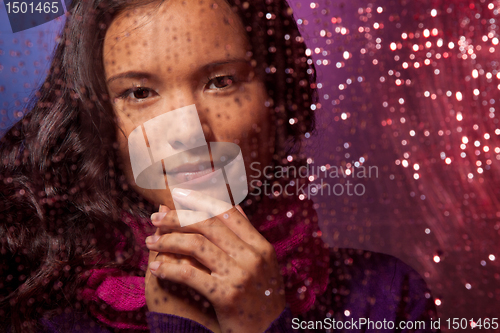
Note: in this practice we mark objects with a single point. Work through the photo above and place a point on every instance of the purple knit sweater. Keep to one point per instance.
(366, 292)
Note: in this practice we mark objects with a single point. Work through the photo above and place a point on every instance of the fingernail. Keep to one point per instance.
(152, 239)
(154, 265)
(163, 209)
(180, 192)
(157, 217)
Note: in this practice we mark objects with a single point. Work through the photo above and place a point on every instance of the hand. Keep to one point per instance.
(234, 266)
(165, 297)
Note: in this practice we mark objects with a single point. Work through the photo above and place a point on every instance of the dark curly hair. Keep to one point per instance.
(62, 191)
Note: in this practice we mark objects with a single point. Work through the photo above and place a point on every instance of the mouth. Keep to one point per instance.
(196, 165)
(188, 172)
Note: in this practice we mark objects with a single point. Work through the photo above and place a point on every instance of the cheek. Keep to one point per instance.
(124, 157)
(154, 196)
(255, 135)
(248, 127)
(242, 116)
(125, 127)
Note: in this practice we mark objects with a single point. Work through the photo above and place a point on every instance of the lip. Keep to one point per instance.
(191, 168)
(189, 172)
(183, 177)
(195, 173)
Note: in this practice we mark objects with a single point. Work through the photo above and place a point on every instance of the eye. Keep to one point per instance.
(220, 82)
(141, 93)
(137, 94)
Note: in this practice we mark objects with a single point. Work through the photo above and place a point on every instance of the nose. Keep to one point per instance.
(174, 132)
(184, 129)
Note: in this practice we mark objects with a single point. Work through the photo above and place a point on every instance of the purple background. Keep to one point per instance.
(365, 222)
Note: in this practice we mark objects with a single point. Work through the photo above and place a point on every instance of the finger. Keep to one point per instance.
(196, 246)
(231, 217)
(171, 218)
(170, 221)
(242, 227)
(234, 233)
(167, 220)
(162, 212)
(180, 259)
(186, 274)
(170, 257)
(238, 207)
(197, 201)
(220, 235)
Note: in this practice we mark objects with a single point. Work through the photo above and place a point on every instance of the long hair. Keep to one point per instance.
(62, 189)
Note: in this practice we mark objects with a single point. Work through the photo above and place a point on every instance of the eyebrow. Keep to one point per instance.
(130, 75)
(149, 76)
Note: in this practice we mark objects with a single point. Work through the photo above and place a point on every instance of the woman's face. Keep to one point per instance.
(159, 58)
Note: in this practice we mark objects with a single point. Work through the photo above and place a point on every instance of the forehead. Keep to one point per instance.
(174, 32)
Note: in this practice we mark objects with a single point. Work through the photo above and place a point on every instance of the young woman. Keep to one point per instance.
(74, 221)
